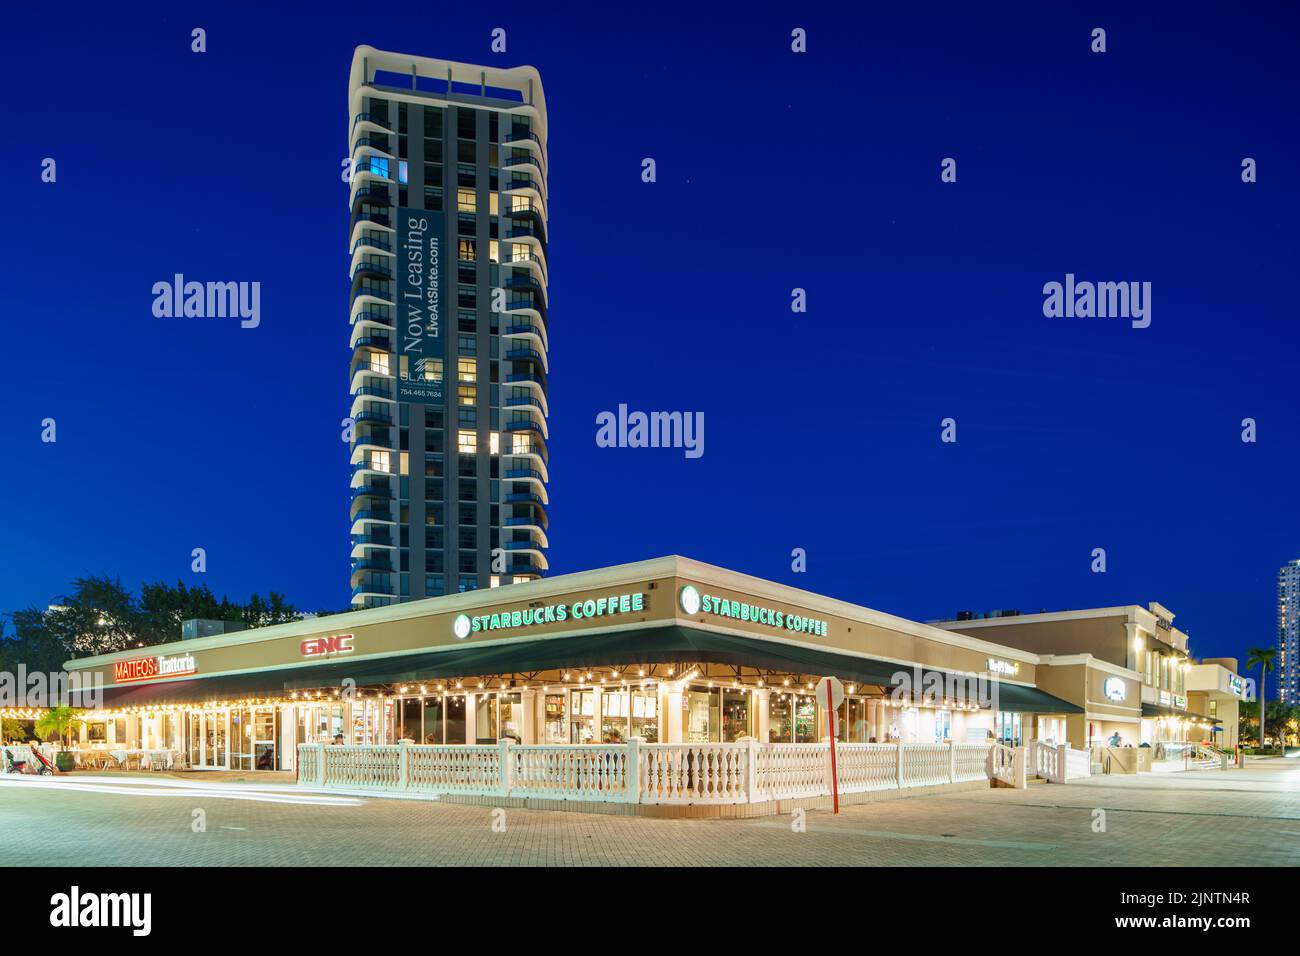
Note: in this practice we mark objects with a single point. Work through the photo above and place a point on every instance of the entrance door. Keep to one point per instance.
(209, 740)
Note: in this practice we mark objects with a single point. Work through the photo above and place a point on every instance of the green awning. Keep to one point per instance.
(659, 645)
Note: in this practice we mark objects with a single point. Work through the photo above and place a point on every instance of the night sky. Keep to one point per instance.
(776, 170)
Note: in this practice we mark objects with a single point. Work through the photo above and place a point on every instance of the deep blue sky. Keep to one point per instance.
(776, 170)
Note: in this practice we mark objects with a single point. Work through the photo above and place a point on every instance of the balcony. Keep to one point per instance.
(382, 418)
(536, 523)
(371, 241)
(526, 355)
(372, 192)
(382, 342)
(373, 217)
(528, 426)
(381, 319)
(372, 440)
(372, 491)
(380, 143)
(382, 295)
(382, 369)
(369, 267)
(374, 391)
(371, 121)
(370, 514)
(528, 379)
(372, 564)
(526, 284)
(525, 402)
(525, 497)
(377, 171)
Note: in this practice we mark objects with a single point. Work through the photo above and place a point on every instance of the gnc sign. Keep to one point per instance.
(323, 646)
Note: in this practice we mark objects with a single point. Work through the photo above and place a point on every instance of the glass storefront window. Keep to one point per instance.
(942, 726)
(703, 719)
(780, 718)
(512, 716)
(556, 714)
(1008, 728)
(581, 713)
(859, 727)
(735, 715)
(430, 731)
(645, 716)
(614, 712)
(805, 720)
(455, 720)
(485, 718)
(409, 723)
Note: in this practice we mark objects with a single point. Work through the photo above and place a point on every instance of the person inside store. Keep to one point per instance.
(1114, 740)
(338, 740)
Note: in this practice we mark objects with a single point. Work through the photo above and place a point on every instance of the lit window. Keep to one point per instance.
(493, 205)
(468, 394)
(402, 167)
(466, 250)
(403, 463)
(494, 442)
(380, 461)
(467, 368)
(520, 203)
(466, 200)
(494, 581)
(521, 445)
(494, 250)
(466, 442)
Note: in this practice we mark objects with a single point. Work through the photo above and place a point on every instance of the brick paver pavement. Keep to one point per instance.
(1241, 817)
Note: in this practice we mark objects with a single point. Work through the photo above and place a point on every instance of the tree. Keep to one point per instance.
(1263, 658)
(12, 729)
(58, 721)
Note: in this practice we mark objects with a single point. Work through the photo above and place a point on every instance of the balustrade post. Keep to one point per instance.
(632, 793)
(752, 747)
(1020, 764)
(952, 761)
(320, 766)
(898, 765)
(402, 780)
(506, 770)
(1063, 755)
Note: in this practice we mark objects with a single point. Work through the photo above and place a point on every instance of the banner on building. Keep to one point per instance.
(421, 302)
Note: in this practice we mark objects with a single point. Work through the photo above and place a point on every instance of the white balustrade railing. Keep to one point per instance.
(694, 773)
(1047, 761)
(636, 772)
(1008, 765)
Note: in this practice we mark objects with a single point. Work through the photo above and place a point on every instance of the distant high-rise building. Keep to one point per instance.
(1288, 631)
(448, 311)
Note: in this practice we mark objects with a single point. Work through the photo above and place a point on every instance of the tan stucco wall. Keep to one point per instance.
(279, 647)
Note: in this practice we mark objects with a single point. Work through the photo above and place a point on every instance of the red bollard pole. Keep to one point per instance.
(830, 726)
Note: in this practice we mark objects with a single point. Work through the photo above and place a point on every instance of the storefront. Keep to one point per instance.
(668, 651)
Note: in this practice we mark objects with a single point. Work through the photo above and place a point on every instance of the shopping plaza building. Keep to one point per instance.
(668, 650)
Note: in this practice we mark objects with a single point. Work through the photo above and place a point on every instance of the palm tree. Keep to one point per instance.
(1263, 658)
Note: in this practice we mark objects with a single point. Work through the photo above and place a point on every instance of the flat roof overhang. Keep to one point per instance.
(1160, 710)
(669, 644)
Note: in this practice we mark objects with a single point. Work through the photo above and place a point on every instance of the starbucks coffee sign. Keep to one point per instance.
(693, 602)
(606, 605)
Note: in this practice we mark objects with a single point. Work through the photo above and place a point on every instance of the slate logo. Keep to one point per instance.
(75, 909)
